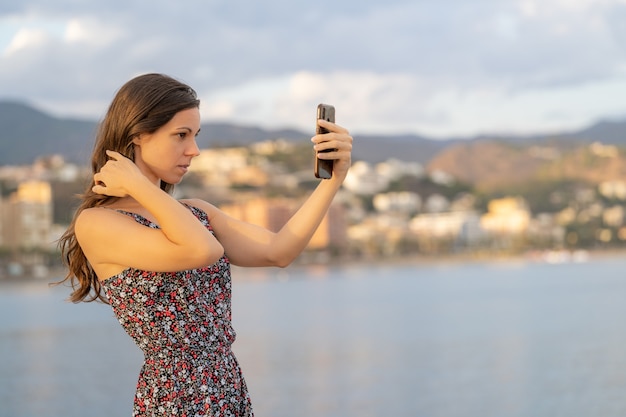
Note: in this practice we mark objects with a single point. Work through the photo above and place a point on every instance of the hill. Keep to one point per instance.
(27, 133)
(487, 163)
(491, 165)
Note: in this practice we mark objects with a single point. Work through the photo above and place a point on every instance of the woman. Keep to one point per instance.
(163, 264)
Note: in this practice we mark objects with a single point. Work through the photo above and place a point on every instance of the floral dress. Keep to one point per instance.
(182, 323)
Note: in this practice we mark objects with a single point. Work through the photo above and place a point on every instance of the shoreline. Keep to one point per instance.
(421, 260)
(417, 260)
(553, 256)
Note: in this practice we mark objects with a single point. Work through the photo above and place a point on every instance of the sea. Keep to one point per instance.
(516, 338)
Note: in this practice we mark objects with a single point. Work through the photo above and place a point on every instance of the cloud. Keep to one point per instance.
(366, 99)
(92, 32)
(24, 39)
(430, 66)
(400, 103)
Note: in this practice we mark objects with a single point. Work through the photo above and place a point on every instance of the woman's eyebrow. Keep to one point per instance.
(188, 129)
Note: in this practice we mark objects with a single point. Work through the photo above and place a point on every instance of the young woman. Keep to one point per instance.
(164, 265)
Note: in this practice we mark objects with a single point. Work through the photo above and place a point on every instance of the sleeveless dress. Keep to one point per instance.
(182, 323)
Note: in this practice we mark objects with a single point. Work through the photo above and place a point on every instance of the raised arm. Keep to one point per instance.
(113, 241)
(250, 245)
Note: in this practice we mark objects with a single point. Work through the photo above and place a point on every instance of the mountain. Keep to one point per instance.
(27, 133)
(491, 165)
(606, 131)
(488, 163)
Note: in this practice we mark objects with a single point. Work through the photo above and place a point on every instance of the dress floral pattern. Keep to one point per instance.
(182, 323)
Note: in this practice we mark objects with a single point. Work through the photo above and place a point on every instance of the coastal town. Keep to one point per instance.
(381, 211)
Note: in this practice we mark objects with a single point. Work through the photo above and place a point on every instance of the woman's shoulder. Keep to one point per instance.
(93, 213)
(92, 222)
(97, 217)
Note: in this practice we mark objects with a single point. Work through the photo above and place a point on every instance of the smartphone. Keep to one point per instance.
(324, 167)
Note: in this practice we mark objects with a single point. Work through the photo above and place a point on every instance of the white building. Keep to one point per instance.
(394, 169)
(404, 202)
(436, 203)
(461, 226)
(613, 189)
(362, 179)
(217, 164)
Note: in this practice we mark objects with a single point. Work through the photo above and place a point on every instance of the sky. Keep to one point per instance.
(436, 68)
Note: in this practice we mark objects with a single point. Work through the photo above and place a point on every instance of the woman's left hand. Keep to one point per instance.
(339, 141)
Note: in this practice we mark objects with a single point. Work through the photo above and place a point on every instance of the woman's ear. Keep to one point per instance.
(129, 150)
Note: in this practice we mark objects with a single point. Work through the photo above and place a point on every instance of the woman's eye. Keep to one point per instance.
(182, 135)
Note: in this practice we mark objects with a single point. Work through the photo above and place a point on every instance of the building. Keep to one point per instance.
(613, 189)
(27, 217)
(506, 216)
(217, 165)
(458, 226)
(403, 201)
(362, 179)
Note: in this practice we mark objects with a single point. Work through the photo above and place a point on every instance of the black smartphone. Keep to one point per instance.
(324, 167)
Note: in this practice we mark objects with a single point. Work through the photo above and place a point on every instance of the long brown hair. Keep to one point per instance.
(142, 105)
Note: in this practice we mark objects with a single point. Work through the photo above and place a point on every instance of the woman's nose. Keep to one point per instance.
(193, 148)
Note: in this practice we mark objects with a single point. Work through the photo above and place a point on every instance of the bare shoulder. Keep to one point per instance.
(96, 218)
(92, 214)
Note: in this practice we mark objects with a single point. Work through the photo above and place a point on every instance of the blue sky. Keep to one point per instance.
(432, 67)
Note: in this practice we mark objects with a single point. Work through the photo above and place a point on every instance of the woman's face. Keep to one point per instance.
(166, 154)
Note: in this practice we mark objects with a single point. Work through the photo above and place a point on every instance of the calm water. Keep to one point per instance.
(473, 340)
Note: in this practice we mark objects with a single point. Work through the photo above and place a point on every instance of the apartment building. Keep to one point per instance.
(27, 217)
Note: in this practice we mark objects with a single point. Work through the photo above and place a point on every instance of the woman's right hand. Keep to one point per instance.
(115, 176)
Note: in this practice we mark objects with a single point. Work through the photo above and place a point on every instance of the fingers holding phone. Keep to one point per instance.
(333, 145)
(324, 167)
